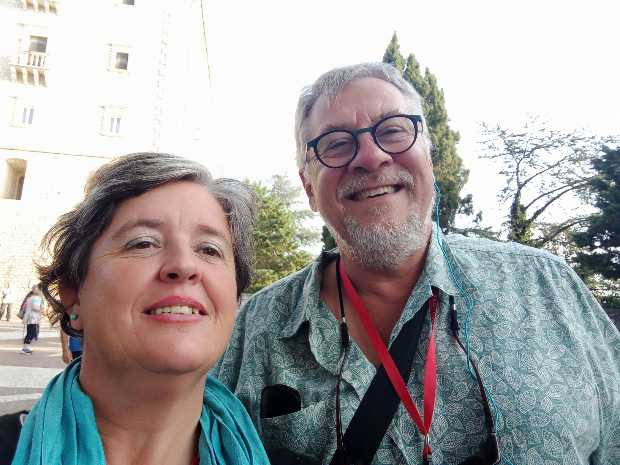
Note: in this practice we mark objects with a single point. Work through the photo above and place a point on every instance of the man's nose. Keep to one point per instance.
(180, 264)
(369, 156)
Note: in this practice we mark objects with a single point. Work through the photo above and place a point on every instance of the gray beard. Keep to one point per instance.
(383, 245)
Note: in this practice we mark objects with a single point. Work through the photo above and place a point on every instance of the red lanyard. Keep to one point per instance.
(430, 367)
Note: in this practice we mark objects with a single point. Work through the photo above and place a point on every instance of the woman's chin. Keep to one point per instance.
(174, 363)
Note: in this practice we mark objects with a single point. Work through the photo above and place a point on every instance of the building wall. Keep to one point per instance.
(160, 98)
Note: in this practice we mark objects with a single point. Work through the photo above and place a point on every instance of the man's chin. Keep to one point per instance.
(382, 245)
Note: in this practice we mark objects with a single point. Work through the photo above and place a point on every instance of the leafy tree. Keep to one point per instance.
(328, 240)
(600, 241)
(541, 166)
(393, 56)
(279, 234)
(450, 174)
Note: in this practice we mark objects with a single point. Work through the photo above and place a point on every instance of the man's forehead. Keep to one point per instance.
(362, 101)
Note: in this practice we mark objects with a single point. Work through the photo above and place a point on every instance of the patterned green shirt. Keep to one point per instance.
(548, 354)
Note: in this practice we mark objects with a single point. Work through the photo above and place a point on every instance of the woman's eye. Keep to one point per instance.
(210, 250)
(141, 244)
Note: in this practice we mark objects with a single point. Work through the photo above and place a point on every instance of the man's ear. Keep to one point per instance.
(70, 299)
(308, 188)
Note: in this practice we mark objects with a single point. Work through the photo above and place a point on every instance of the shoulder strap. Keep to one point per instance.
(379, 404)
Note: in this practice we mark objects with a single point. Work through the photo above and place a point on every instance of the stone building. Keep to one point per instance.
(81, 82)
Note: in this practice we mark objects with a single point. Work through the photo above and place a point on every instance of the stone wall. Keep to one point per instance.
(53, 185)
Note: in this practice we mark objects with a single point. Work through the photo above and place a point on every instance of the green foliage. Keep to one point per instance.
(279, 234)
(601, 239)
(328, 240)
(450, 174)
(520, 227)
(393, 56)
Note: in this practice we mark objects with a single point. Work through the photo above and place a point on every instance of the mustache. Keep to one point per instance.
(357, 182)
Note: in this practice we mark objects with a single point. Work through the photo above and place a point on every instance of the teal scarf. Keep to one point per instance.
(61, 429)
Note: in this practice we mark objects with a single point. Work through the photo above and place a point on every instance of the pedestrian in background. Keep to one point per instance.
(71, 347)
(33, 307)
(7, 298)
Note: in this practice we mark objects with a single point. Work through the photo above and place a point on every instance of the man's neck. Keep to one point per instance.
(384, 293)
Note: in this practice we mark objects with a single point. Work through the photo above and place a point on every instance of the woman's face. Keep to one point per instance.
(160, 292)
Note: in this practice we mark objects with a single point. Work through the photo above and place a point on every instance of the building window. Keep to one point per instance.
(119, 58)
(14, 175)
(122, 61)
(27, 114)
(38, 44)
(23, 114)
(112, 121)
(115, 125)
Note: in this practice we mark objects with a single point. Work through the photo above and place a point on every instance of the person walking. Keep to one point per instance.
(32, 317)
(7, 299)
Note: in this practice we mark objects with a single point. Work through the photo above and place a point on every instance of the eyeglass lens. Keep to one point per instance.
(393, 135)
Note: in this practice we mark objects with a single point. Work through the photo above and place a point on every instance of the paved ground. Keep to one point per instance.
(23, 377)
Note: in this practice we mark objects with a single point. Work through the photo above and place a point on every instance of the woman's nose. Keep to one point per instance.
(179, 266)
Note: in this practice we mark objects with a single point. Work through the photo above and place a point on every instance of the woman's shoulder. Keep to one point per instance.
(10, 427)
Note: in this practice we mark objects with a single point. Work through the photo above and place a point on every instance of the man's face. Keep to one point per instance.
(378, 206)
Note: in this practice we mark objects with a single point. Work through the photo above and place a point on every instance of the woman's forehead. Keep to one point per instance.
(181, 204)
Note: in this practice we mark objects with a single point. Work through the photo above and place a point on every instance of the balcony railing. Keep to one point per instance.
(47, 6)
(30, 58)
(29, 68)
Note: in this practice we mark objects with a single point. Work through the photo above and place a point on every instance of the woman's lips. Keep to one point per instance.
(176, 305)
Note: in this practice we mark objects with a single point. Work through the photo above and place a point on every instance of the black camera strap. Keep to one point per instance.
(379, 404)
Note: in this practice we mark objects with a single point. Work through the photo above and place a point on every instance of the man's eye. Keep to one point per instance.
(391, 130)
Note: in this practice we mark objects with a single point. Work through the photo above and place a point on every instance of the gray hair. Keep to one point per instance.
(70, 240)
(332, 82)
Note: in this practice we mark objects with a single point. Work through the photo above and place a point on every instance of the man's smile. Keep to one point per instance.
(374, 192)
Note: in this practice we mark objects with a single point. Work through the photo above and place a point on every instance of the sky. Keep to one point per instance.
(497, 61)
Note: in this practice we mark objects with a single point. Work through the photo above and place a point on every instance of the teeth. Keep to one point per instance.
(374, 192)
(178, 309)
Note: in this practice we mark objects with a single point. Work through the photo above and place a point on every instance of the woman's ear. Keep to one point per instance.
(71, 301)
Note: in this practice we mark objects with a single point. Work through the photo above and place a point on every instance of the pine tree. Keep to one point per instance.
(450, 174)
(279, 236)
(328, 240)
(392, 54)
(601, 240)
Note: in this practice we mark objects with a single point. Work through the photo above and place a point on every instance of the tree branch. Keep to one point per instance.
(574, 185)
(559, 230)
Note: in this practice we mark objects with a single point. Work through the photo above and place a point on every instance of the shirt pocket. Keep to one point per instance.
(309, 432)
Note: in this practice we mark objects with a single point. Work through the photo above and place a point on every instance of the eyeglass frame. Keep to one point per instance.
(415, 119)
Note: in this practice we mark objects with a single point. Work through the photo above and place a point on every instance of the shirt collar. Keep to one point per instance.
(310, 295)
(439, 265)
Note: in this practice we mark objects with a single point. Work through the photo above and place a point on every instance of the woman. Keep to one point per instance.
(71, 347)
(148, 268)
(33, 308)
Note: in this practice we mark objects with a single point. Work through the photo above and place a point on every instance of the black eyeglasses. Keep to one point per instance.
(489, 451)
(393, 134)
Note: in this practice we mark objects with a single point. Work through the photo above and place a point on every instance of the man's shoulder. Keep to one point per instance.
(284, 287)
(272, 306)
(488, 248)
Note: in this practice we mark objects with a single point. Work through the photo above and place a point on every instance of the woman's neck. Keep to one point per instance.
(155, 421)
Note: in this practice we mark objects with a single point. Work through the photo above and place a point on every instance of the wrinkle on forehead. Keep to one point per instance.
(354, 114)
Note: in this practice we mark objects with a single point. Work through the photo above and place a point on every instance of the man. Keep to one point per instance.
(7, 301)
(537, 377)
